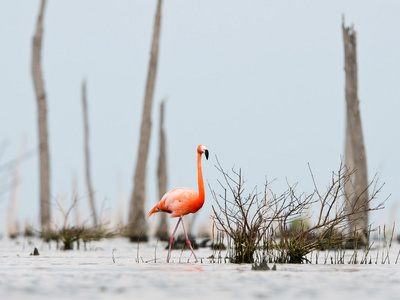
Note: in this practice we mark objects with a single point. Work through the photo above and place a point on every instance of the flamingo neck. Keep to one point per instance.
(200, 180)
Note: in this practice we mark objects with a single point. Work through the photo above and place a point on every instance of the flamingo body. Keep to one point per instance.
(181, 201)
(178, 202)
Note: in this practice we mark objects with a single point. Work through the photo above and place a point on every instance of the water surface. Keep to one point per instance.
(117, 269)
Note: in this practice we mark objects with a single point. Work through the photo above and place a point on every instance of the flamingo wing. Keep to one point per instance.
(179, 202)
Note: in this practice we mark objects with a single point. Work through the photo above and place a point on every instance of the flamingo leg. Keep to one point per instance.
(188, 242)
(171, 240)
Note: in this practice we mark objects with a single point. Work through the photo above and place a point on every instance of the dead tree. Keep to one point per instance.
(42, 123)
(120, 209)
(15, 195)
(162, 231)
(137, 224)
(87, 154)
(75, 202)
(357, 187)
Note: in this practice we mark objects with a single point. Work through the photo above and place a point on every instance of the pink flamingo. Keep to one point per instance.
(182, 201)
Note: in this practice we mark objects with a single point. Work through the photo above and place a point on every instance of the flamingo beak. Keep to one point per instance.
(206, 153)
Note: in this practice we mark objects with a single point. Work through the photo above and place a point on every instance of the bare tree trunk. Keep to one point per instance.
(162, 231)
(13, 229)
(137, 223)
(42, 121)
(75, 202)
(121, 200)
(87, 154)
(357, 187)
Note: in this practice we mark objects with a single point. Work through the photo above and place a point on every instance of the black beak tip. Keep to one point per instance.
(206, 153)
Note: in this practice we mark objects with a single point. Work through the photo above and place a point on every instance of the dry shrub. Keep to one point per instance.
(258, 224)
(68, 235)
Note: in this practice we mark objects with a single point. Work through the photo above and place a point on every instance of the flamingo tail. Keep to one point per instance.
(153, 210)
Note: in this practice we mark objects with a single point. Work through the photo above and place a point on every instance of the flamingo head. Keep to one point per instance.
(202, 149)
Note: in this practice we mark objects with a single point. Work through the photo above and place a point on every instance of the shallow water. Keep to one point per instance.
(109, 270)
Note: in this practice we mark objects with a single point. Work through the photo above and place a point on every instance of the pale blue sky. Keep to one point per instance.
(261, 83)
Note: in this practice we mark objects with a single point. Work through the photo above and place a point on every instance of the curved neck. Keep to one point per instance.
(200, 178)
